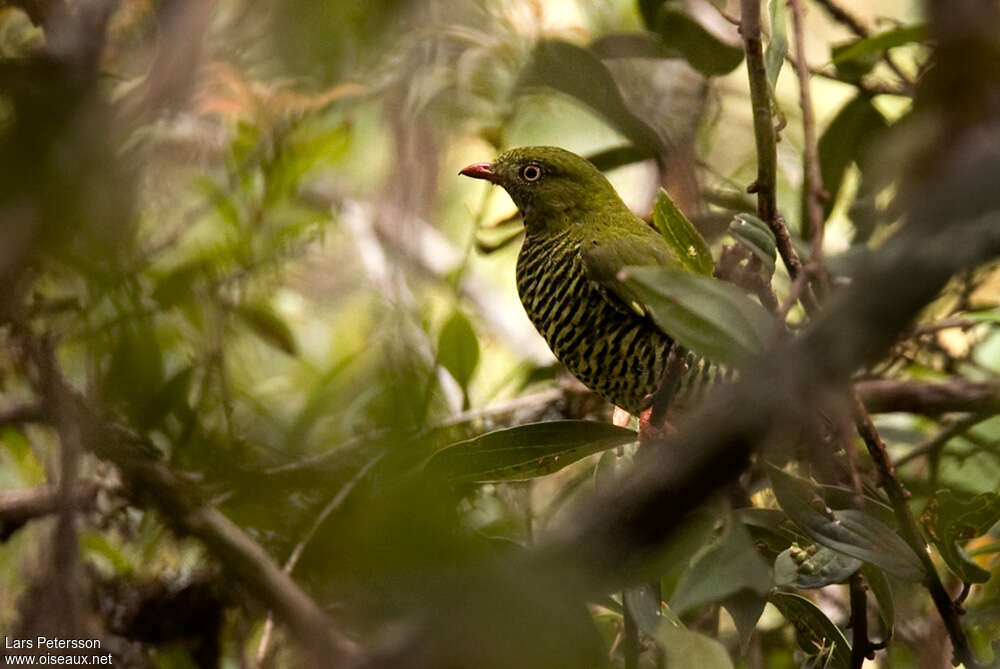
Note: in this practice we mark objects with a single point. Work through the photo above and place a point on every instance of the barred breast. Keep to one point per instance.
(616, 353)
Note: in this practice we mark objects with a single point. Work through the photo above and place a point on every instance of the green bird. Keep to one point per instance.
(579, 235)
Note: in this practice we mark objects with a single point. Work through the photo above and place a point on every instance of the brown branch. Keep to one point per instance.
(18, 507)
(19, 414)
(954, 394)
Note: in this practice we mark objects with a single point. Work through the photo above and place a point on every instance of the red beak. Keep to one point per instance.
(481, 171)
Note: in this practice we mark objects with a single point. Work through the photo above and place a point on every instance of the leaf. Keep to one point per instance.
(637, 44)
(846, 139)
(526, 451)
(267, 325)
(951, 520)
(683, 238)
(458, 349)
(702, 49)
(879, 585)
(814, 630)
(617, 156)
(177, 285)
(711, 317)
(745, 607)
(812, 567)
(580, 74)
(728, 566)
(643, 603)
(171, 396)
(861, 49)
(777, 47)
(849, 531)
(685, 648)
(756, 236)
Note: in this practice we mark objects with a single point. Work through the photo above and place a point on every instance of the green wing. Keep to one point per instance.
(606, 255)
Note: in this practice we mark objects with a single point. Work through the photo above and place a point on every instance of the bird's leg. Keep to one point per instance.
(650, 432)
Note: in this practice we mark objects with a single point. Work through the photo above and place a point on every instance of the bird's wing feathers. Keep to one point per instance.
(605, 258)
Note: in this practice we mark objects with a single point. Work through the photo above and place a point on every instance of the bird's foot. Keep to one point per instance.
(649, 432)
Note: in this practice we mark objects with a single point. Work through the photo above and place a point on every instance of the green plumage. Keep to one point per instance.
(578, 236)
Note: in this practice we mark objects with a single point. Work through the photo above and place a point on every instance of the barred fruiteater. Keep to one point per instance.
(578, 237)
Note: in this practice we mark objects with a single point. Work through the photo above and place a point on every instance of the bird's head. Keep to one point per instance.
(551, 186)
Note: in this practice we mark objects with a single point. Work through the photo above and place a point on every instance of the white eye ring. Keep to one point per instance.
(531, 173)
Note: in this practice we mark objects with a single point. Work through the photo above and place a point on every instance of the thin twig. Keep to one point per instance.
(911, 533)
(815, 193)
(937, 442)
(860, 645)
(19, 414)
(335, 502)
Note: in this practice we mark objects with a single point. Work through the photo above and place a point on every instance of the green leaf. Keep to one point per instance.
(756, 236)
(267, 325)
(643, 603)
(637, 44)
(951, 520)
(685, 648)
(847, 139)
(745, 607)
(816, 633)
(726, 567)
(777, 47)
(458, 349)
(710, 317)
(849, 531)
(702, 49)
(812, 567)
(171, 396)
(861, 49)
(526, 451)
(684, 239)
(577, 72)
(879, 585)
(617, 156)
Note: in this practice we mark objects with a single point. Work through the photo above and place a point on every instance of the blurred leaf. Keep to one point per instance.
(685, 648)
(177, 285)
(702, 49)
(170, 397)
(526, 451)
(861, 49)
(756, 236)
(879, 585)
(711, 317)
(812, 567)
(846, 140)
(617, 156)
(643, 602)
(745, 607)
(950, 520)
(458, 349)
(580, 74)
(816, 633)
(136, 369)
(849, 531)
(683, 238)
(777, 47)
(638, 44)
(728, 566)
(267, 325)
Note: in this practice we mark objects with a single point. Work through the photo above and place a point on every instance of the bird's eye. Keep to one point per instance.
(531, 173)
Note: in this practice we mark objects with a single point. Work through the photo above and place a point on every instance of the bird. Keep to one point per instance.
(579, 236)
